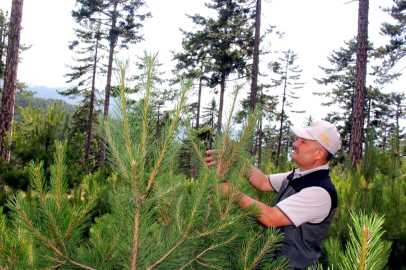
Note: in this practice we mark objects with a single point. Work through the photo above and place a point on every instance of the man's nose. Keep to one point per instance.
(295, 143)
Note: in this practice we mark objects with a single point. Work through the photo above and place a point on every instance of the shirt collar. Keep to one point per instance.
(298, 173)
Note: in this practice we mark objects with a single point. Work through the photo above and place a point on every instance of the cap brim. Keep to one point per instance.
(302, 133)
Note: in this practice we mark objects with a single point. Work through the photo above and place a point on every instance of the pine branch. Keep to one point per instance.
(222, 169)
(207, 266)
(59, 176)
(115, 151)
(247, 250)
(186, 232)
(168, 253)
(208, 250)
(115, 241)
(235, 196)
(262, 252)
(123, 66)
(150, 62)
(184, 90)
(134, 178)
(70, 226)
(46, 241)
(224, 226)
(366, 250)
(194, 145)
(88, 206)
(237, 90)
(135, 236)
(37, 175)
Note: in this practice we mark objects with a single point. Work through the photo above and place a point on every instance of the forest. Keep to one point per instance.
(120, 181)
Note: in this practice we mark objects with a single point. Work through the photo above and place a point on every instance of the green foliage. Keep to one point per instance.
(16, 246)
(375, 187)
(366, 249)
(394, 51)
(43, 128)
(380, 108)
(158, 218)
(209, 114)
(90, 49)
(223, 45)
(4, 29)
(34, 140)
(54, 226)
(203, 138)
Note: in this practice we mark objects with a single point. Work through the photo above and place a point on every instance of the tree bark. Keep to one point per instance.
(260, 142)
(222, 90)
(357, 135)
(255, 64)
(113, 43)
(10, 80)
(282, 118)
(3, 33)
(90, 121)
(199, 100)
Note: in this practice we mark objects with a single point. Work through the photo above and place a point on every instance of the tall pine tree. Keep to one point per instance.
(229, 41)
(191, 63)
(289, 75)
(4, 28)
(357, 131)
(10, 80)
(89, 47)
(120, 22)
(255, 61)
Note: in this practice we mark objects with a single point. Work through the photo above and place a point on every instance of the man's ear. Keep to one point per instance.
(321, 153)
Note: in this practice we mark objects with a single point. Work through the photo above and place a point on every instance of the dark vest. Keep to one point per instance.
(302, 245)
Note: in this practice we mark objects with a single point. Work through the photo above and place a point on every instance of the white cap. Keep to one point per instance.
(323, 132)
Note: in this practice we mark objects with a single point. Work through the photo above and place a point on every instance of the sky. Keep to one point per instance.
(312, 29)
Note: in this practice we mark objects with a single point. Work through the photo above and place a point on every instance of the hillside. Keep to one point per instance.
(51, 93)
(41, 103)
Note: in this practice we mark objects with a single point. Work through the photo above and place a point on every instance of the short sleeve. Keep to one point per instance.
(311, 204)
(275, 180)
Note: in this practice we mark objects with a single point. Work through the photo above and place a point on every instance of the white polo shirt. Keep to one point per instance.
(311, 204)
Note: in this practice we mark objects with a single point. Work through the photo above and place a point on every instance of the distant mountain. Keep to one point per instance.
(51, 92)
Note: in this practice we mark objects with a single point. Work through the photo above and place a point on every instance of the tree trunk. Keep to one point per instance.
(10, 81)
(369, 112)
(359, 89)
(397, 135)
(89, 123)
(3, 33)
(113, 42)
(260, 142)
(222, 90)
(158, 131)
(282, 114)
(255, 64)
(199, 100)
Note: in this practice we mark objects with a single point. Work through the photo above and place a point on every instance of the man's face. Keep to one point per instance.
(305, 153)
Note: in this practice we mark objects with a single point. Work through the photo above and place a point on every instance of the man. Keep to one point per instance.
(307, 200)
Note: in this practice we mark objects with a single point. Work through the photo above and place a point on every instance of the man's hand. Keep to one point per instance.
(225, 188)
(210, 161)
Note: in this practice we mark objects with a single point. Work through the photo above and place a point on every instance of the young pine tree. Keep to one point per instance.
(158, 218)
(162, 220)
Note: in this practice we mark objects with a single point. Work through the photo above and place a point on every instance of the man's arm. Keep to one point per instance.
(259, 180)
(268, 216)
